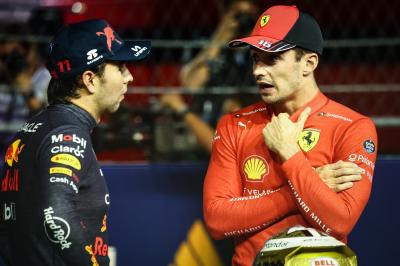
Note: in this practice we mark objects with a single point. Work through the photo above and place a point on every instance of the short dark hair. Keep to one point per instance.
(62, 90)
(300, 52)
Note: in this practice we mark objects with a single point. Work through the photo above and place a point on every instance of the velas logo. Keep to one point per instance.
(255, 168)
(308, 139)
(108, 32)
(264, 20)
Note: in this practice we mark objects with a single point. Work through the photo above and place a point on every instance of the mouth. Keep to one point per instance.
(122, 96)
(265, 87)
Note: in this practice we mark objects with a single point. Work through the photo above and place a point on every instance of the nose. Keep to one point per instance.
(127, 75)
(259, 70)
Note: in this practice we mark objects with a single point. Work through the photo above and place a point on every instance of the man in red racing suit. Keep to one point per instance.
(261, 177)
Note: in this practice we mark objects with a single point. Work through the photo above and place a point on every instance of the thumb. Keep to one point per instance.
(303, 117)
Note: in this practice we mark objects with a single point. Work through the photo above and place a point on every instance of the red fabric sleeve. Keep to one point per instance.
(335, 213)
(226, 212)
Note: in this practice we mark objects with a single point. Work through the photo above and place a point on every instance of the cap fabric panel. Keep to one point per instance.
(258, 41)
(306, 26)
(84, 45)
(281, 28)
(271, 28)
(132, 51)
(280, 20)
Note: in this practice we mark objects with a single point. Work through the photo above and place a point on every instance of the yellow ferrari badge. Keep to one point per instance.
(264, 20)
(308, 139)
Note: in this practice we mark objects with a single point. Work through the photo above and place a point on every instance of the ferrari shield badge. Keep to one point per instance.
(264, 20)
(308, 139)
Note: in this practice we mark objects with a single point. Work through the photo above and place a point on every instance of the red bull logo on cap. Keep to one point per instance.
(109, 33)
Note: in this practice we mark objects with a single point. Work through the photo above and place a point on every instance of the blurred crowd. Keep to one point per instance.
(23, 83)
(182, 122)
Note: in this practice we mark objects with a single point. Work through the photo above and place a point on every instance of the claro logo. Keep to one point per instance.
(56, 228)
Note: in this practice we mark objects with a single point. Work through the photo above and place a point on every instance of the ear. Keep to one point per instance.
(311, 63)
(88, 79)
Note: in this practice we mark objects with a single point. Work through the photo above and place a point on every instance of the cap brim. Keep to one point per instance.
(132, 51)
(263, 43)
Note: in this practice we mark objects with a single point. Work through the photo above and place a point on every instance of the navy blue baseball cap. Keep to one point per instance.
(81, 46)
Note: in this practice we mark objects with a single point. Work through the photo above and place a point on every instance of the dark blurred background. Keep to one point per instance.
(153, 160)
(360, 66)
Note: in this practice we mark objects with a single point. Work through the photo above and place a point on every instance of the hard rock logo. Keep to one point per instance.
(255, 168)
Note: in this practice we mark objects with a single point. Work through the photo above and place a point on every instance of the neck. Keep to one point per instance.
(297, 100)
(84, 103)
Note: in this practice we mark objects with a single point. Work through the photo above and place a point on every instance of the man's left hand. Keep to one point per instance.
(281, 134)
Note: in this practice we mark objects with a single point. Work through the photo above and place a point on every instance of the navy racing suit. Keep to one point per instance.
(54, 199)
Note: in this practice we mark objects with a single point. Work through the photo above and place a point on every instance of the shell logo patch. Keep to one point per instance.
(264, 20)
(255, 168)
(308, 139)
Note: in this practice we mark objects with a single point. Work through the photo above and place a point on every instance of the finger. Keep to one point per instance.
(347, 171)
(286, 115)
(347, 178)
(343, 186)
(303, 117)
(342, 164)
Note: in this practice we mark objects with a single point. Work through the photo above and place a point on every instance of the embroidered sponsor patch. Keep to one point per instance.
(369, 146)
(255, 168)
(67, 159)
(60, 170)
(308, 139)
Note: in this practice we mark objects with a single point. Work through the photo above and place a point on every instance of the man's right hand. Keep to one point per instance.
(339, 176)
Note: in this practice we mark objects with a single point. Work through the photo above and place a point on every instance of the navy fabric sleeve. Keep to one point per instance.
(64, 161)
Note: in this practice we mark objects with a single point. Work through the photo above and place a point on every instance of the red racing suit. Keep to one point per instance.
(250, 195)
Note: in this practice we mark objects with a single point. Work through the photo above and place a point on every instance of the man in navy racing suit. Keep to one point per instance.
(53, 198)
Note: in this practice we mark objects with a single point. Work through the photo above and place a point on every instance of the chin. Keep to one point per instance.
(114, 108)
(269, 99)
